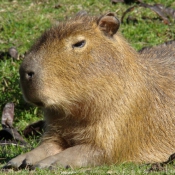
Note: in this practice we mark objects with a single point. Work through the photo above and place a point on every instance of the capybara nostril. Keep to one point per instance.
(30, 75)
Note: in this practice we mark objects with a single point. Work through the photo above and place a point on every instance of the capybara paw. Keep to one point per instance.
(11, 164)
(40, 166)
(19, 162)
(45, 164)
(51, 163)
(48, 166)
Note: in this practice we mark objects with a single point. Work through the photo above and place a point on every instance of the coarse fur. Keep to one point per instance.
(103, 102)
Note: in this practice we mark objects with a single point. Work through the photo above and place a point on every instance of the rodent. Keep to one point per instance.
(103, 102)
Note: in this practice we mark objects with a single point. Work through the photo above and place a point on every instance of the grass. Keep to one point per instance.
(21, 22)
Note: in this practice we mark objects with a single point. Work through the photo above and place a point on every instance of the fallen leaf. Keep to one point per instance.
(162, 11)
(8, 133)
(8, 115)
(156, 167)
(116, 1)
(57, 6)
(13, 53)
(125, 1)
(34, 129)
(171, 159)
(161, 166)
(10, 136)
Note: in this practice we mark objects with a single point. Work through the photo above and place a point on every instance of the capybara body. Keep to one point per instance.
(103, 102)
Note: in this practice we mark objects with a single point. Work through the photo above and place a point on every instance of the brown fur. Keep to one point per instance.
(104, 103)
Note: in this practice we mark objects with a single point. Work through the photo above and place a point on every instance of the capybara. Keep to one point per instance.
(103, 102)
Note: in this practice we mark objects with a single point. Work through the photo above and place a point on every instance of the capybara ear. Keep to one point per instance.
(109, 24)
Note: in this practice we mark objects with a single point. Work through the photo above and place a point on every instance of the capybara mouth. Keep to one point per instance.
(36, 102)
(31, 96)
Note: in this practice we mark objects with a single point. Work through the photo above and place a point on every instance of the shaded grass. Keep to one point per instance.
(21, 22)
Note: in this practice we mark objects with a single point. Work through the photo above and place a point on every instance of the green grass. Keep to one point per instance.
(22, 21)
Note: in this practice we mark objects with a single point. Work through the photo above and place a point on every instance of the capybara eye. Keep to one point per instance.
(79, 44)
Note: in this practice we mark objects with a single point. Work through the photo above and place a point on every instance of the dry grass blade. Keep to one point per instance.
(8, 115)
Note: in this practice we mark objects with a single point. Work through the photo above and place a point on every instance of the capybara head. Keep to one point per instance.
(71, 60)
